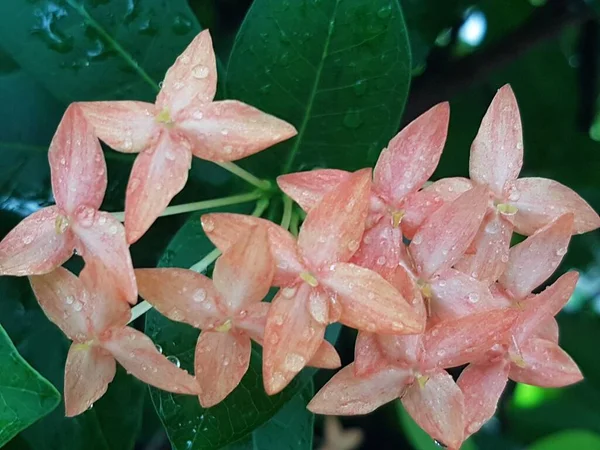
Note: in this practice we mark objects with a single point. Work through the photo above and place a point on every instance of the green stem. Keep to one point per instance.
(245, 175)
(205, 204)
(294, 223)
(287, 212)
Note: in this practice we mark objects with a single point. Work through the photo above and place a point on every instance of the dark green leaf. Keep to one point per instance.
(573, 439)
(337, 70)
(25, 396)
(95, 49)
(113, 422)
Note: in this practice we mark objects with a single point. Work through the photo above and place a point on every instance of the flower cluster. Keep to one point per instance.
(424, 271)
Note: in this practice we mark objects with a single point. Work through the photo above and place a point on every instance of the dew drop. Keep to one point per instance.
(353, 246)
(417, 240)
(200, 295)
(77, 306)
(294, 362)
(197, 115)
(69, 300)
(174, 360)
(208, 225)
(381, 260)
(127, 144)
(473, 297)
(27, 239)
(561, 251)
(159, 348)
(200, 72)
(228, 149)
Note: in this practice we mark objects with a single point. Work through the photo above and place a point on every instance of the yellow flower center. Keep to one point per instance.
(224, 327)
(422, 380)
(61, 224)
(164, 117)
(397, 218)
(507, 209)
(309, 278)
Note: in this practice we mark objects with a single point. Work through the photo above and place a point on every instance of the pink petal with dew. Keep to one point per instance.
(497, 151)
(417, 207)
(77, 166)
(445, 236)
(532, 261)
(452, 343)
(125, 126)
(412, 155)
(253, 320)
(540, 201)
(36, 245)
(438, 408)
(221, 361)
(405, 283)
(223, 229)
(156, 177)
(244, 274)
(539, 309)
(292, 337)
(548, 330)
(491, 244)
(192, 79)
(307, 189)
(380, 249)
(65, 302)
(347, 394)
(326, 357)
(182, 295)
(229, 130)
(88, 371)
(456, 294)
(482, 386)
(138, 355)
(368, 357)
(449, 189)
(102, 244)
(545, 365)
(369, 302)
(403, 351)
(332, 231)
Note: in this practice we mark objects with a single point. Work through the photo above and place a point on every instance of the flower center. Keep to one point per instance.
(224, 327)
(83, 345)
(164, 117)
(61, 224)
(422, 380)
(507, 209)
(397, 218)
(309, 278)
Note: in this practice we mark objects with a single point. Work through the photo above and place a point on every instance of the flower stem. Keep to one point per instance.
(203, 264)
(205, 204)
(294, 223)
(245, 175)
(287, 212)
(139, 310)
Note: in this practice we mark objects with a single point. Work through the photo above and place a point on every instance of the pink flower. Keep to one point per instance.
(319, 286)
(48, 237)
(411, 367)
(96, 323)
(397, 206)
(183, 122)
(227, 308)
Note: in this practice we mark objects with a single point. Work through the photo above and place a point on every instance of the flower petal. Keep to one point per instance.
(456, 294)
(182, 295)
(412, 155)
(326, 357)
(156, 177)
(223, 229)
(404, 350)
(542, 251)
(497, 151)
(192, 78)
(482, 386)
(541, 201)
(244, 273)
(448, 232)
(380, 249)
(229, 130)
(449, 189)
(65, 301)
(292, 337)
(221, 361)
(417, 207)
(77, 165)
(36, 246)
(452, 343)
(138, 355)
(369, 302)
(347, 394)
(308, 188)
(546, 365)
(125, 126)
(253, 320)
(103, 245)
(368, 357)
(88, 371)
(438, 408)
(491, 244)
(332, 231)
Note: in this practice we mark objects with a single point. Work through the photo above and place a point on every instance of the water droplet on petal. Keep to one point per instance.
(208, 225)
(27, 239)
(159, 348)
(200, 295)
(381, 260)
(69, 300)
(77, 306)
(561, 251)
(473, 297)
(417, 239)
(174, 360)
(294, 362)
(200, 72)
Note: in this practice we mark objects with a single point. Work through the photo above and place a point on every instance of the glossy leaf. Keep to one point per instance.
(579, 439)
(25, 396)
(337, 70)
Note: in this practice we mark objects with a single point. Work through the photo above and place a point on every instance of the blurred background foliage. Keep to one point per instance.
(462, 51)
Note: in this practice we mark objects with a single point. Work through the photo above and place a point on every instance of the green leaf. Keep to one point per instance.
(188, 425)
(574, 439)
(96, 49)
(292, 427)
(419, 438)
(25, 396)
(339, 71)
(113, 422)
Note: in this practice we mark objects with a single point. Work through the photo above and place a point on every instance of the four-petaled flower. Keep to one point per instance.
(183, 122)
(48, 237)
(318, 285)
(227, 308)
(87, 312)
